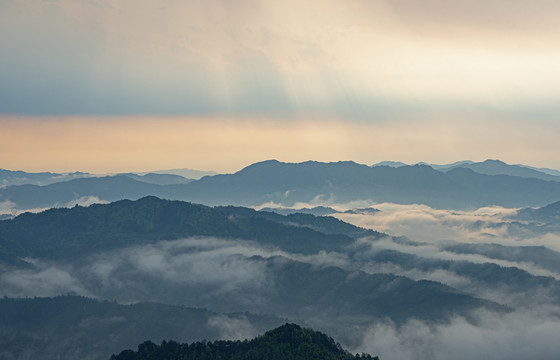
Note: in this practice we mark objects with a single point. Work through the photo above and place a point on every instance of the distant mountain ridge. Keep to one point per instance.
(186, 173)
(488, 167)
(497, 167)
(285, 184)
(161, 177)
(19, 177)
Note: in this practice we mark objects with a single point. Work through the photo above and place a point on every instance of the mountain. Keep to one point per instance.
(228, 259)
(393, 164)
(18, 177)
(60, 194)
(363, 211)
(514, 287)
(538, 255)
(287, 342)
(310, 182)
(62, 233)
(546, 215)
(446, 166)
(186, 173)
(73, 327)
(287, 184)
(317, 210)
(159, 179)
(497, 167)
(536, 221)
(544, 170)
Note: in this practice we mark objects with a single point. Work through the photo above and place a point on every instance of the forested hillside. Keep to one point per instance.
(288, 342)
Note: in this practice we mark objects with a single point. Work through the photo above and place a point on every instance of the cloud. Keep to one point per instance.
(44, 279)
(218, 266)
(85, 201)
(233, 327)
(199, 271)
(519, 335)
(433, 251)
(130, 57)
(423, 223)
(221, 264)
(7, 207)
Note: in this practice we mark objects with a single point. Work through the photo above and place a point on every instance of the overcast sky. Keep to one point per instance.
(143, 85)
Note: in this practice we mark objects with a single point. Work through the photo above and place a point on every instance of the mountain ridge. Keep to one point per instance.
(285, 184)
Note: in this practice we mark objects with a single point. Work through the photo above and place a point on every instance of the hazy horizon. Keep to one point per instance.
(107, 86)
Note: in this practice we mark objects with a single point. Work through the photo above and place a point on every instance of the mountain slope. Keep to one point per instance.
(546, 215)
(287, 342)
(79, 231)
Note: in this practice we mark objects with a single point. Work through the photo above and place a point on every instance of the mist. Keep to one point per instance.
(233, 275)
(519, 335)
(222, 265)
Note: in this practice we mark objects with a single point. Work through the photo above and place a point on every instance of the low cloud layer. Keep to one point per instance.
(223, 265)
(43, 279)
(233, 328)
(520, 335)
(423, 223)
(203, 271)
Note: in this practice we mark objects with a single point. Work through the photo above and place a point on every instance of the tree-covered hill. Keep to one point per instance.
(60, 233)
(287, 342)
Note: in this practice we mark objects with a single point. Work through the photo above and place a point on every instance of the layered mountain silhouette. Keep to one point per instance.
(18, 177)
(123, 238)
(488, 167)
(287, 184)
(236, 261)
(497, 167)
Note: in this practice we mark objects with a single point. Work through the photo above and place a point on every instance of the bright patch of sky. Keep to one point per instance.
(395, 66)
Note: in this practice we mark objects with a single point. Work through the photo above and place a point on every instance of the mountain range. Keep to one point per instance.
(309, 269)
(134, 260)
(161, 177)
(488, 167)
(464, 186)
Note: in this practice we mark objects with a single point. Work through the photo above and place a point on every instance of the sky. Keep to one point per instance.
(139, 85)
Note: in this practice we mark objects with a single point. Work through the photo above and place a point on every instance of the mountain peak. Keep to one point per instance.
(493, 162)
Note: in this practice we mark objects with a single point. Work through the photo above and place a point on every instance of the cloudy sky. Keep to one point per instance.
(131, 85)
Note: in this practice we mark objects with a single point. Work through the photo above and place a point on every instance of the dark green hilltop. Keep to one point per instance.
(287, 342)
